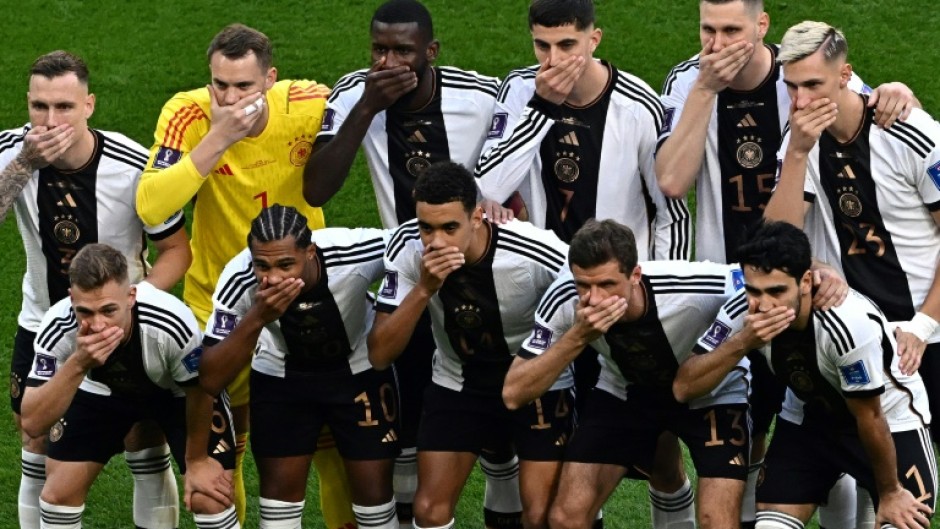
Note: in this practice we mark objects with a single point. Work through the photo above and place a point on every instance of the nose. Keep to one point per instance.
(229, 96)
(555, 56)
(803, 98)
(52, 118)
(764, 303)
(391, 60)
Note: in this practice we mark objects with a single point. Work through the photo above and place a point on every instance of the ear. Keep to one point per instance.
(806, 283)
(89, 105)
(311, 252)
(596, 35)
(635, 275)
(270, 78)
(763, 24)
(845, 74)
(476, 217)
(433, 49)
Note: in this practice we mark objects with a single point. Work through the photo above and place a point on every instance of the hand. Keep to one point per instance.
(717, 69)
(595, 321)
(900, 509)
(232, 122)
(910, 349)
(831, 288)
(437, 264)
(496, 213)
(808, 124)
(762, 327)
(206, 476)
(43, 145)
(891, 101)
(385, 86)
(271, 301)
(554, 83)
(95, 344)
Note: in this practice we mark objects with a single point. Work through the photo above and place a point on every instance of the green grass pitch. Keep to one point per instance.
(140, 53)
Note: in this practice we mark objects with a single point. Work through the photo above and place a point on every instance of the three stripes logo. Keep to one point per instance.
(562, 440)
(417, 137)
(846, 173)
(224, 170)
(222, 447)
(390, 437)
(570, 139)
(737, 460)
(68, 200)
(747, 122)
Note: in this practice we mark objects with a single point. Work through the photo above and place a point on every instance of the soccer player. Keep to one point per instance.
(407, 113)
(576, 137)
(643, 318)
(481, 282)
(849, 407)
(235, 147)
(874, 193)
(725, 112)
(107, 357)
(294, 306)
(72, 185)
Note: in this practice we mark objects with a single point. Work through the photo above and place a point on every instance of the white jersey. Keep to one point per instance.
(682, 301)
(847, 351)
(400, 144)
(162, 353)
(483, 311)
(59, 212)
(324, 329)
(573, 164)
(873, 201)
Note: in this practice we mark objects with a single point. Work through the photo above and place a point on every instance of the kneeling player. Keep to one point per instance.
(643, 320)
(110, 356)
(848, 407)
(294, 305)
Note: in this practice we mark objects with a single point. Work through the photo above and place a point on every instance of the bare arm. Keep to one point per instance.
(203, 474)
(12, 181)
(41, 146)
(391, 331)
(173, 259)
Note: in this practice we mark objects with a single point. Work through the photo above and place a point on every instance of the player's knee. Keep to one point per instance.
(35, 445)
(200, 503)
(535, 516)
(431, 512)
(561, 518)
(60, 498)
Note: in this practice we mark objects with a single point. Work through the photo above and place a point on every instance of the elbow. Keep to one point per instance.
(312, 197)
(379, 359)
(681, 390)
(672, 188)
(211, 385)
(512, 398)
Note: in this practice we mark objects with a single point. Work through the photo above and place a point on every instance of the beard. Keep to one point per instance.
(406, 101)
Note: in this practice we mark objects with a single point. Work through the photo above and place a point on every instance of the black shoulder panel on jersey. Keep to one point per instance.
(346, 83)
(236, 285)
(537, 251)
(165, 320)
(406, 232)
(555, 298)
(642, 95)
(56, 329)
(457, 78)
(361, 252)
(837, 330)
(674, 74)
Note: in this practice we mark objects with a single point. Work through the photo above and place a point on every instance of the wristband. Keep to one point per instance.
(921, 326)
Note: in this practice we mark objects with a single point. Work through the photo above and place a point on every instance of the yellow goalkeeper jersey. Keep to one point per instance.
(253, 173)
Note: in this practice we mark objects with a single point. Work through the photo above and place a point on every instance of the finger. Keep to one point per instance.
(377, 65)
(889, 113)
(213, 99)
(707, 49)
(84, 328)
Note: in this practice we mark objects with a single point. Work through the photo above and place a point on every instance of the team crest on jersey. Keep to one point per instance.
(224, 323)
(45, 365)
(389, 286)
(300, 150)
(856, 374)
(498, 126)
(934, 172)
(541, 337)
(55, 433)
(166, 157)
(14, 386)
(327, 124)
(191, 361)
(849, 202)
(668, 115)
(65, 229)
(566, 167)
(468, 316)
(417, 162)
(716, 334)
(749, 153)
(737, 279)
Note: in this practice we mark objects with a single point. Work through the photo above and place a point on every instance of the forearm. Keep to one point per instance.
(12, 181)
(680, 157)
(173, 259)
(44, 405)
(222, 362)
(529, 379)
(876, 438)
(328, 167)
(702, 373)
(198, 422)
(391, 332)
(786, 204)
(163, 192)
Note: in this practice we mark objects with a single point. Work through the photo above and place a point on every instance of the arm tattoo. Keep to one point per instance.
(12, 181)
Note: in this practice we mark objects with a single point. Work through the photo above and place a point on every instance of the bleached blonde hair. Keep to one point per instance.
(807, 37)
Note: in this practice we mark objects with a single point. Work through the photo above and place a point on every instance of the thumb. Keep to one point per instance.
(817, 278)
(873, 99)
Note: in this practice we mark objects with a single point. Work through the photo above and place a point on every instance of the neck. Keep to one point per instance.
(755, 72)
(424, 90)
(311, 274)
(591, 84)
(806, 308)
(479, 245)
(851, 114)
(78, 154)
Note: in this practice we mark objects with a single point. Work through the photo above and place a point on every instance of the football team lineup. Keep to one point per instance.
(553, 302)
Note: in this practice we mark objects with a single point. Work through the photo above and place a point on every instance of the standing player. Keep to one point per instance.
(725, 110)
(71, 185)
(112, 355)
(848, 407)
(234, 147)
(874, 193)
(643, 318)
(576, 136)
(295, 307)
(406, 114)
(481, 282)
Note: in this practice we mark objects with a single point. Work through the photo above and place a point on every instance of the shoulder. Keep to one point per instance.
(236, 278)
(468, 80)
(58, 323)
(404, 236)
(687, 277)
(851, 324)
(560, 293)
(121, 149)
(347, 84)
(534, 244)
(635, 91)
(162, 313)
(350, 246)
(919, 132)
(519, 79)
(681, 76)
(181, 114)
(300, 90)
(11, 140)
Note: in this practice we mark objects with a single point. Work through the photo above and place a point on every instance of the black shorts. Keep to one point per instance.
(20, 365)
(766, 394)
(361, 410)
(815, 459)
(94, 427)
(413, 371)
(458, 422)
(625, 433)
(930, 373)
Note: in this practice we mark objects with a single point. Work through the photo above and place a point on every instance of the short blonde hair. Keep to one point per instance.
(807, 37)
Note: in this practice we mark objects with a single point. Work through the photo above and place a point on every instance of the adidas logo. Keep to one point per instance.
(417, 137)
(847, 173)
(390, 437)
(68, 200)
(570, 139)
(737, 461)
(562, 440)
(222, 447)
(747, 122)
(224, 170)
